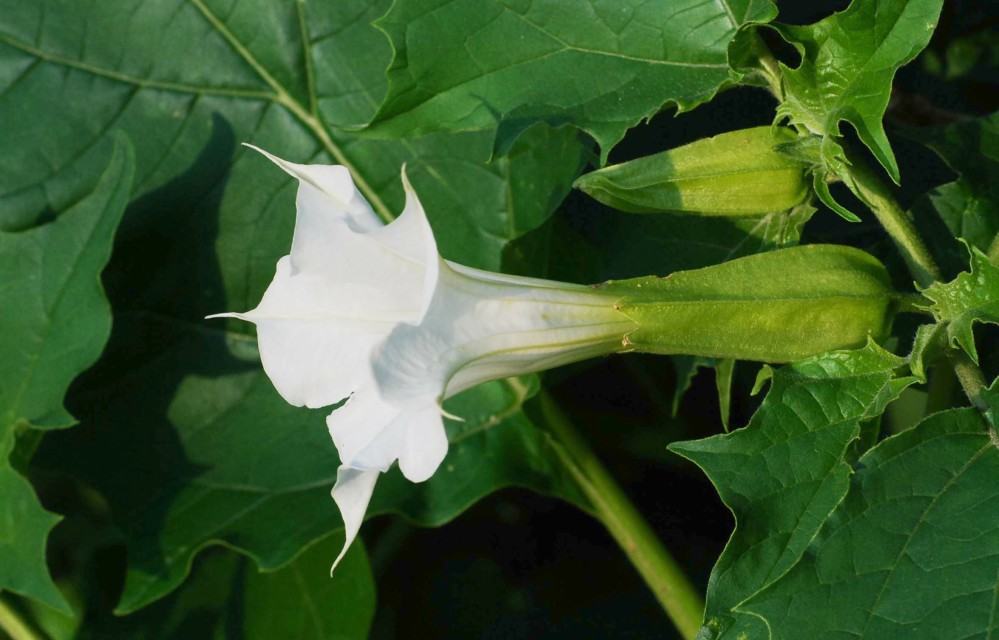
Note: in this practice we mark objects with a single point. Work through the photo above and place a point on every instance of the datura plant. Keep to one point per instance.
(490, 245)
(373, 314)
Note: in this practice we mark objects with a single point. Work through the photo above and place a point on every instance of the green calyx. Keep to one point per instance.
(778, 306)
(735, 174)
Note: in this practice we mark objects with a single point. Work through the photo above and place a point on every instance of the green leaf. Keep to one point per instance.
(182, 432)
(144, 76)
(685, 368)
(56, 318)
(303, 601)
(236, 465)
(784, 473)
(969, 298)
(968, 206)
(913, 550)
(928, 346)
(848, 62)
(226, 596)
(55, 323)
(724, 370)
(24, 529)
(463, 65)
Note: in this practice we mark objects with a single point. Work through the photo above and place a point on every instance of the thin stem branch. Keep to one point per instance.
(873, 191)
(678, 597)
(13, 626)
(769, 67)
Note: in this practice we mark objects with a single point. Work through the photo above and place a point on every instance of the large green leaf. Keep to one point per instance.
(285, 75)
(54, 324)
(183, 433)
(848, 62)
(913, 550)
(784, 473)
(973, 296)
(227, 597)
(464, 65)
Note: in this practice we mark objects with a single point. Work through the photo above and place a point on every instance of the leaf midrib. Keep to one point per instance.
(308, 116)
(917, 526)
(566, 47)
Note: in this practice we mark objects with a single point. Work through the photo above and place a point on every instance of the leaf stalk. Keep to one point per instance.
(678, 597)
(13, 626)
(896, 221)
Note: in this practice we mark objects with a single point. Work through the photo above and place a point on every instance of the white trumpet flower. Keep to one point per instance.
(373, 314)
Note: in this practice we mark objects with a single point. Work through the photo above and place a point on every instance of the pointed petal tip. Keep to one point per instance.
(352, 493)
(288, 167)
(449, 415)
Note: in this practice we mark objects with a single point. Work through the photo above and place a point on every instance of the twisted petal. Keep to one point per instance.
(326, 193)
(348, 282)
(352, 493)
(370, 433)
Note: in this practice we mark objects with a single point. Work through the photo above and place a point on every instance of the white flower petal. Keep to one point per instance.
(372, 313)
(368, 432)
(342, 289)
(326, 193)
(352, 493)
(426, 444)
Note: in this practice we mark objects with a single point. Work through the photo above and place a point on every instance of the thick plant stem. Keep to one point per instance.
(970, 377)
(876, 194)
(12, 625)
(682, 602)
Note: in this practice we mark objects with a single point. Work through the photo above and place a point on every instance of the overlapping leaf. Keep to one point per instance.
(182, 432)
(913, 550)
(464, 65)
(973, 296)
(848, 62)
(54, 324)
(968, 206)
(227, 597)
(784, 473)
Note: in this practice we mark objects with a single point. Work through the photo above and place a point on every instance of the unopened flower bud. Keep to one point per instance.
(739, 173)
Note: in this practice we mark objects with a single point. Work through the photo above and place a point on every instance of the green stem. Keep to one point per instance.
(912, 303)
(970, 377)
(940, 389)
(681, 601)
(769, 67)
(13, 626)
(877, 195)
(872, 190)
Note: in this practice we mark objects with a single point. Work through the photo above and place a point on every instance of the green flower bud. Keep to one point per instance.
(777, 306)
(738, 173)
